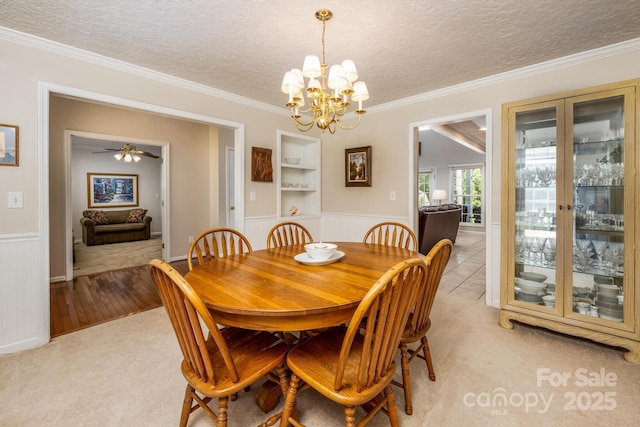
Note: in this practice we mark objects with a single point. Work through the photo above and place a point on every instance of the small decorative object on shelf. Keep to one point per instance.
(294, 211)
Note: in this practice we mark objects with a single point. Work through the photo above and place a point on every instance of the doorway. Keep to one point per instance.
(453, 132)
(46, 91)
(91, 152)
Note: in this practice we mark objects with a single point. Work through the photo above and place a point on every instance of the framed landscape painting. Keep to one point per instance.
(112, 190)
(357, 164)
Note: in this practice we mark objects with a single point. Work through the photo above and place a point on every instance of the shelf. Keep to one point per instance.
(301, 167)
(600, 231)
(299, 164)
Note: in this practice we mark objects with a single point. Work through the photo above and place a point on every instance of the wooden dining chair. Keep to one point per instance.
(419, 322)
(217, 243)
(224, 362)
(288, 233)
(391, 233)
(354, 366)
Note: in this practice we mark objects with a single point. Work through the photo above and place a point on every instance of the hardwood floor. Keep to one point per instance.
(89, 300)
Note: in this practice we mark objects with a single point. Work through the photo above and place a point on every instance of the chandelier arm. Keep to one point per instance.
(302, 123)
(339, 123)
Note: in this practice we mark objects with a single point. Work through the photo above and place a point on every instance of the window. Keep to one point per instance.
(467, 183)
(424, 185)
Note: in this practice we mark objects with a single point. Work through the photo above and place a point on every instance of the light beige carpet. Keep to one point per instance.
(115, 256)
(127, 373)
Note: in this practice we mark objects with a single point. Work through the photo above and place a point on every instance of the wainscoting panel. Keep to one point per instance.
(340, 227)
(21, 294)
(256, 228)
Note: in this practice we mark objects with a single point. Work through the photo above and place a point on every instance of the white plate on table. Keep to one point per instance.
(305, 259)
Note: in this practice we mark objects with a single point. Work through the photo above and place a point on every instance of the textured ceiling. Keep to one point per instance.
(401, 48)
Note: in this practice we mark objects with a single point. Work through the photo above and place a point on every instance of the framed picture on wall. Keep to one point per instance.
(357, 164)
(105, 190)
(8, 145)
(261, 166)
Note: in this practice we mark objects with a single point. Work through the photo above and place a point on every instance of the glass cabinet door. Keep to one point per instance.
(537, 157)
(597, 138)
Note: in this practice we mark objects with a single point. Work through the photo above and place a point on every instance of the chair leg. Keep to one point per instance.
(186, 406)
(284, 379)
(350, 416)
(289, 400)
(406, 378)
(427, 357)
(223, 404)
(392, 410)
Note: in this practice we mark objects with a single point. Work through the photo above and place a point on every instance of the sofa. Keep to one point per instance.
(436, 223)
(100, 227)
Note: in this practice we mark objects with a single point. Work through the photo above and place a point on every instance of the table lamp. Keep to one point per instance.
(439, 195)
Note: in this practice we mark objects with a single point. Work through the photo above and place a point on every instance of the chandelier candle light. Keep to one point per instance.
(328, 94)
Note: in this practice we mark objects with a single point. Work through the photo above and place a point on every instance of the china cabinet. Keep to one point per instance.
(298, 164)
(569, 218)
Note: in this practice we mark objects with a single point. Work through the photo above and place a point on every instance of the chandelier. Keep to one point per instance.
(328, 94)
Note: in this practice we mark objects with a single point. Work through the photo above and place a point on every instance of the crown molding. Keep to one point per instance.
(543, 67)
(104, 61)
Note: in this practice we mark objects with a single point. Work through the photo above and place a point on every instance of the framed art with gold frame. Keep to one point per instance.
(110, 190)
(9, 150)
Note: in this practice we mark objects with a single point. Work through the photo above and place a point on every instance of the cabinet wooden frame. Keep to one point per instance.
(562, 318)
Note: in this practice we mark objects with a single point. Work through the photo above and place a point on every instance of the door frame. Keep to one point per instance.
(164, 188)
(229, 187)
(45, 91)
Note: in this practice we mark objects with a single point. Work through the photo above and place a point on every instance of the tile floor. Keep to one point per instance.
(465, 274)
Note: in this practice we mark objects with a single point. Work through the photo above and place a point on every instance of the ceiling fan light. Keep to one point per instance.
(136, 158)
(118, 156)
(128, 158)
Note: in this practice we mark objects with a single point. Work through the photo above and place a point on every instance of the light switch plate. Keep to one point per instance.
(14, 201)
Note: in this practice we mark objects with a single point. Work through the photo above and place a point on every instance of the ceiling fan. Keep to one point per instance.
(128, 153)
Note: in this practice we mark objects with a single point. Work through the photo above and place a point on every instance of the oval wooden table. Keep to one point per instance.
(269, 290)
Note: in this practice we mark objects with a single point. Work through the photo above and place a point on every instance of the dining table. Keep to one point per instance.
(281, 289)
